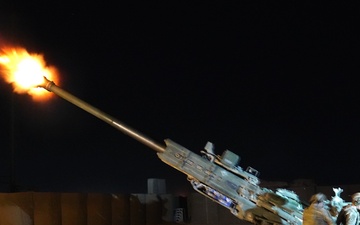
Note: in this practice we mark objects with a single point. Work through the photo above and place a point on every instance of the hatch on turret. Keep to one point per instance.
(230, 159)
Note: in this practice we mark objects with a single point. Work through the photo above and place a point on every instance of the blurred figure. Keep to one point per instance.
(316, 213)
(336, 203)
(349, 214)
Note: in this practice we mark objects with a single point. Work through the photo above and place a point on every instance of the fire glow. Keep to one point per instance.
(26, 71)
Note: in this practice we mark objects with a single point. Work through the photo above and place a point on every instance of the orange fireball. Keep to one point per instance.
(25, 71)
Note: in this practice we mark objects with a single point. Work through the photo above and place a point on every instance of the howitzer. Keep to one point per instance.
(216, 177)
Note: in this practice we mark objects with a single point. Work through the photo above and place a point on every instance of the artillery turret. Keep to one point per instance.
(219, 178)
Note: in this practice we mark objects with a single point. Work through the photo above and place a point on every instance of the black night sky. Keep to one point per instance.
(275, 82)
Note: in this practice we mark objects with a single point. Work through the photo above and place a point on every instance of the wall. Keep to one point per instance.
(32, 208)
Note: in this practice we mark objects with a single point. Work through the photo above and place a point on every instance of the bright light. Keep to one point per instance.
(25, 71)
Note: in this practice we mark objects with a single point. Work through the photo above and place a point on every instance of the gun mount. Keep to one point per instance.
(216, 177)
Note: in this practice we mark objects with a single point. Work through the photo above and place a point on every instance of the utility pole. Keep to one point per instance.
(12, 144)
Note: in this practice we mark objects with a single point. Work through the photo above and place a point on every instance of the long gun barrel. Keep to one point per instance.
(216, 177)
(50, 86)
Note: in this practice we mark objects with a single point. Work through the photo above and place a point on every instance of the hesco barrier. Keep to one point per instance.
(28, 208)
(34, 208)
(39, 208)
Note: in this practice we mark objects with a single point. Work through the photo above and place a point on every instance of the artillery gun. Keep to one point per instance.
(219, 178)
